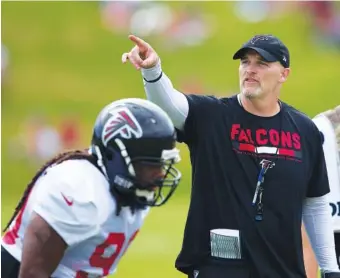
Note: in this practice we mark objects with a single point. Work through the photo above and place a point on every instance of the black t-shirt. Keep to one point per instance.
(226, 146)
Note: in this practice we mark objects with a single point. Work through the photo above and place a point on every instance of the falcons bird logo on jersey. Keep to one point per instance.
(266, 164)
(123, 124)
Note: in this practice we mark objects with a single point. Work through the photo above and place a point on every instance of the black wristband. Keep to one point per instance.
(330, 275)
(155, 80)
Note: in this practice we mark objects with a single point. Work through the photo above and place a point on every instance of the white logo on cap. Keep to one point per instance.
(258, 38)
(284, 58)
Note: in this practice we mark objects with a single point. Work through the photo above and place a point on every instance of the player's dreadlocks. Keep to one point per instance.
(71, 155)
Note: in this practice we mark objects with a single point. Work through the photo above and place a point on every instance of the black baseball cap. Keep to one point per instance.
(269, 47)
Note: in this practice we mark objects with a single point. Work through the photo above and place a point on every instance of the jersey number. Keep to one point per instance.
(98, 259)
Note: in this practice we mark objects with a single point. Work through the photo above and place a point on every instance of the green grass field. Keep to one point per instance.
(63, 61)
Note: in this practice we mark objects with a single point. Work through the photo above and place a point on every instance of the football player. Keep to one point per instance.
(82, 209)
(328, 123)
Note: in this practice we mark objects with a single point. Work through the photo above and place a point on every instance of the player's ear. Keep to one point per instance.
(284, 75)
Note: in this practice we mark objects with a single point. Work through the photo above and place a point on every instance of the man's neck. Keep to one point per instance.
(260, 107)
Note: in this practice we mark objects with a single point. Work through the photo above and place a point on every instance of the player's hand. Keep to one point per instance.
(142, 55)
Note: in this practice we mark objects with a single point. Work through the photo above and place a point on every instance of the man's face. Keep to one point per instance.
(147, 173)
(259, 78)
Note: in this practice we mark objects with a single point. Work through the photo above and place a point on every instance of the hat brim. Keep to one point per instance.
(263, 53)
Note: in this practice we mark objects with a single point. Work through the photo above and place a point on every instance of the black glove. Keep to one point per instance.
(330, 275)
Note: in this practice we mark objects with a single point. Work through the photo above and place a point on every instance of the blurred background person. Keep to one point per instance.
(4, 62)
(36, 141)
(69, 129)
(63, 64)
(324, 22)
(185, 26)
(328, 123)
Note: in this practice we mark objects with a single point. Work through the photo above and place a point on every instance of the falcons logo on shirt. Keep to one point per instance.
(121, 124)
(266, 164)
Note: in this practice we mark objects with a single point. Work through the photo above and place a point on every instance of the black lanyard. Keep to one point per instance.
(265, 165)
(257, 199)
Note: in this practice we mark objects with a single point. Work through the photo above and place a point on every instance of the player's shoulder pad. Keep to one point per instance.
(76, 178)
(76, 187)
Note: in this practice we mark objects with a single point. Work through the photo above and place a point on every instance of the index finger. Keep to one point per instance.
(138, 41)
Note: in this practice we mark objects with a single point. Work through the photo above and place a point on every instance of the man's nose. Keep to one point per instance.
(251, 68)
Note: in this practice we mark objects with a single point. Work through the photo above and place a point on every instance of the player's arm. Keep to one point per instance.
(63, 215)
(43, 249)
(311, 265)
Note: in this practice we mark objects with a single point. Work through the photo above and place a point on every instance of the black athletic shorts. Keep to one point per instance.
(337, 247)
(9, 265)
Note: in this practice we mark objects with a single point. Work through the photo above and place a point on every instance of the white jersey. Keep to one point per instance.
(74, 198)
(333, 166)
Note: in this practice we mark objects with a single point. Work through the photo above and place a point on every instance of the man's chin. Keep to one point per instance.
(250, 94)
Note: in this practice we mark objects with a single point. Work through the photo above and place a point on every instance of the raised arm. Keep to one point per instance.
(158, 86)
